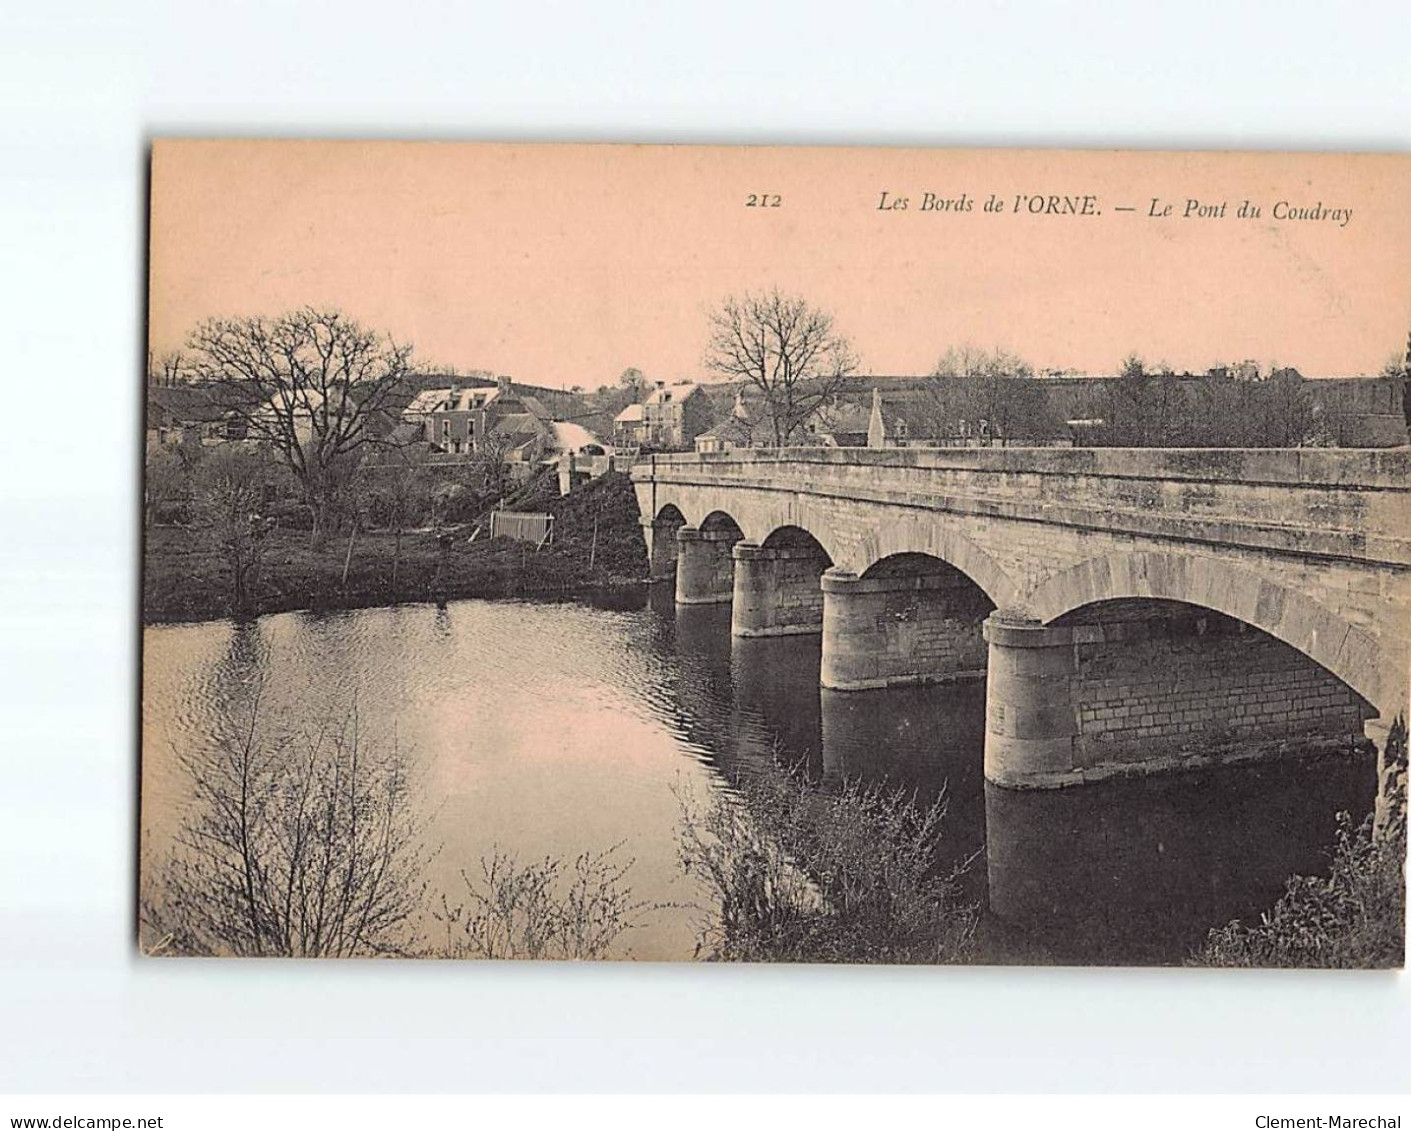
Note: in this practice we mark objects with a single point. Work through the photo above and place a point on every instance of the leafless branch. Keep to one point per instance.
(786, 349)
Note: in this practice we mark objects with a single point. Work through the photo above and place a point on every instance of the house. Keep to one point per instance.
(834, 424)
(839, 424)
(457, 419)
(898, 422)
(740, 429)
(520, 439)
(191, 414)
(461, 420)
(628, 428)
(581, 455)
(729, 434)
(674, 415)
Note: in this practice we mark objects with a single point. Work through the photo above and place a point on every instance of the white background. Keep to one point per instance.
(82, 88)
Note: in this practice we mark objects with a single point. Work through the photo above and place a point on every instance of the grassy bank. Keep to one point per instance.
(597, 543)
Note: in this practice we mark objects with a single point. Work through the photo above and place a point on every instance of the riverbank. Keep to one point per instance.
(597, 544)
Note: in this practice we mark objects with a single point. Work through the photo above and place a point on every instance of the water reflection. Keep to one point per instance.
(565, 727)
(1124, 872)
(1137, 871)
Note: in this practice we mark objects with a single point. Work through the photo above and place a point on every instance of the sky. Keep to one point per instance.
(562, 265)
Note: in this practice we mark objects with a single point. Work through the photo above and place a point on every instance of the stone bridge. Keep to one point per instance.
(1131, 610)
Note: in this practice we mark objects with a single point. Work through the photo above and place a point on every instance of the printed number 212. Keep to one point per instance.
(764, 200)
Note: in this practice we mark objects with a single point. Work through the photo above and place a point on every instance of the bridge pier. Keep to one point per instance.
(898, 630)
(705, 570)
(1067, 704)
(660, 535)
(777, 590)
(1030, 721)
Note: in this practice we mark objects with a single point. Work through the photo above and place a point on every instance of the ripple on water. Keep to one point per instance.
(558, 728)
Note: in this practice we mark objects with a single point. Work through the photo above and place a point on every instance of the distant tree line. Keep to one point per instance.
(1143, 408)
(973, 390)
(969, 385)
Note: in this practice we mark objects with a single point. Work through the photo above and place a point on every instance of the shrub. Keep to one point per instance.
(800, 875)
(544, 909)
(303, 845)
(458, 503)
(167, 484)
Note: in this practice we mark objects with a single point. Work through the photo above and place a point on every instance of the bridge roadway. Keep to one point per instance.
(1130, 609)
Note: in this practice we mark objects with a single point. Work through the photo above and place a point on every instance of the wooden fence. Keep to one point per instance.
(521, 525)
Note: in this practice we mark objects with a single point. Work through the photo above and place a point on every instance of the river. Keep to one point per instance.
(558, 728)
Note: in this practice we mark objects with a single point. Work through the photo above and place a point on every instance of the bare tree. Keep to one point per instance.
(300, 845)
(488, 470)
(313, 385)
(785, 348)
(397, 493)
(1143, 406)
(166, 369)
(229, 493)
(1287, 412)
(995, 386)
(168, 481)
(1154, 408)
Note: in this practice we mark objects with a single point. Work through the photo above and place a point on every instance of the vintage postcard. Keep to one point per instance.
(776, 554)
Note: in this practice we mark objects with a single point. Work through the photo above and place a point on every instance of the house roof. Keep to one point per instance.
(903, 410)
(190, 404)
(571, 437)
(733, 429)
(405, 434)
(428, 400)
(516, 425)
(451, 400)
(672, 393)
(844, 417)
(300, 405)
(521, 451)
(533, 407)
(632, 414)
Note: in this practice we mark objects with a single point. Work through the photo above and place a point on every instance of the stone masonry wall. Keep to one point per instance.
(662, 547)
(777, 591)
(705, 570)
(880, 632)
(1157, 687)
(799, 600)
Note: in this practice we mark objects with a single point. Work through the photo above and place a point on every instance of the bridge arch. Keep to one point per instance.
(1349, 652)
(935, 540)
(759, 514)
(723, 522)
(670, 513)
(790, 537)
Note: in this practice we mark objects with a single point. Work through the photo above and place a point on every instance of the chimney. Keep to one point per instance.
(503, 382)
